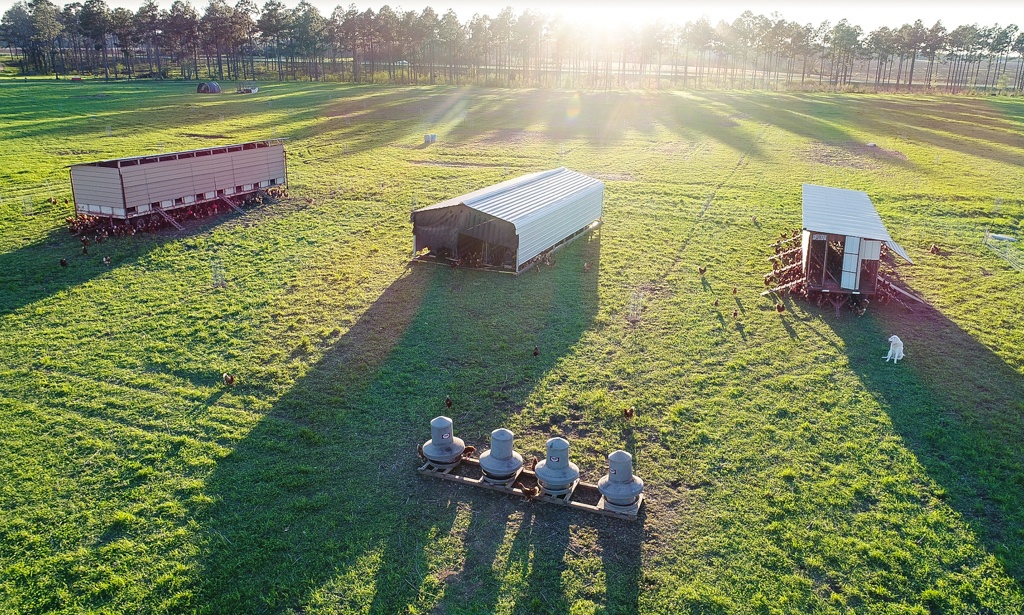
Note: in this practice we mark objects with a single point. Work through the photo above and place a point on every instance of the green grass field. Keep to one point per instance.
(788, 468)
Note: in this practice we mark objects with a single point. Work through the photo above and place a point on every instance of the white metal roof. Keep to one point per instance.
(845, 212)
(517, 200)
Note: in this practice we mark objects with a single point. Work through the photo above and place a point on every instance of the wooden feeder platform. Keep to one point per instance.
(580, 496)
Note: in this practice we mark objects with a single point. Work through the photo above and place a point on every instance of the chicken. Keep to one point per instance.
(106, 260)
(587, 267)
(536, 351)
(85, 250)
(533, 463)
(228, 379)
(419, 451)
(780, 308)
(735, 290)
(468, 452)
(702, 270)
(753, 219)
(716, 302)
(735, 313)
(528, 492)
(447, 401)
(629, 412)
(934, 249)
(63, 262)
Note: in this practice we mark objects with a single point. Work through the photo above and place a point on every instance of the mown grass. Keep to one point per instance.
(788, 468)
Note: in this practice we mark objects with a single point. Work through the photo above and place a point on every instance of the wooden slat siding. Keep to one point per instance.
(95, 188)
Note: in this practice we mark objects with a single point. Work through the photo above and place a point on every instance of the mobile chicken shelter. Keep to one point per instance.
(839, 253)
(842, 241)
(509, 225)
(208, 87)
(127, 187)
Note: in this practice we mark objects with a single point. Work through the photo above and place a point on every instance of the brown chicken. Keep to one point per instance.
(528, 492)
(629, 412)
(229, 380)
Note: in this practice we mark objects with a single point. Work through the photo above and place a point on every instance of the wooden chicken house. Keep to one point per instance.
(128, 187)
(842, 243)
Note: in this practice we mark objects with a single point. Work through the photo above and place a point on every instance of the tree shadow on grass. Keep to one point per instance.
(34, 272)
(321, 503)
(959, 408)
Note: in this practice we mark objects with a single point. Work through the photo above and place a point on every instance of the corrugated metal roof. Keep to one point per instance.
(845, 212)
(519, 199)
(218, 149)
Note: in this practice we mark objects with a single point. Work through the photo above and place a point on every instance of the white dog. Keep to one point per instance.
(895, 349)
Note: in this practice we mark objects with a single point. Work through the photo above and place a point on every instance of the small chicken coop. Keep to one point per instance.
(836, 256)
(128, 187)
(509, 226)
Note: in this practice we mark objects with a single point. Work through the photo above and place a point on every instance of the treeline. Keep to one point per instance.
(245, 41)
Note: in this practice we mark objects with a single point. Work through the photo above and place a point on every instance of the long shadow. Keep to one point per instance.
(326, 481)
(34, 272)
(959, 408)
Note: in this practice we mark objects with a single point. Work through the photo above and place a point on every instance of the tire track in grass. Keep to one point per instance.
(678, 262)
(711, 197)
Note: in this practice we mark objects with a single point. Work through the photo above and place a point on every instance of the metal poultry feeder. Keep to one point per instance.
(556, 474)
(501, 463)
(620, 487)
(443, 449)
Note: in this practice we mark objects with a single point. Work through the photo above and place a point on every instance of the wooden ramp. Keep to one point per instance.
(582, 496)
(232, 203)
(171, 220)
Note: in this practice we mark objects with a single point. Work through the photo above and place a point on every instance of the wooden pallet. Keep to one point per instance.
(582, 496)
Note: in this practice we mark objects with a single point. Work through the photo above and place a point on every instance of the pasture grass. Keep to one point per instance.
(788, 468)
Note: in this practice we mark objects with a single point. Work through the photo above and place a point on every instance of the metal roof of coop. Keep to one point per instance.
(517, 200)
(845, 212)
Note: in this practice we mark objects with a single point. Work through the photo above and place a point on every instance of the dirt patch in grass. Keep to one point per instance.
(685, 148)
(197, 135)
(615, 177)
(511, 136)
(453, 165)
(851, 155)
(74, 152)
